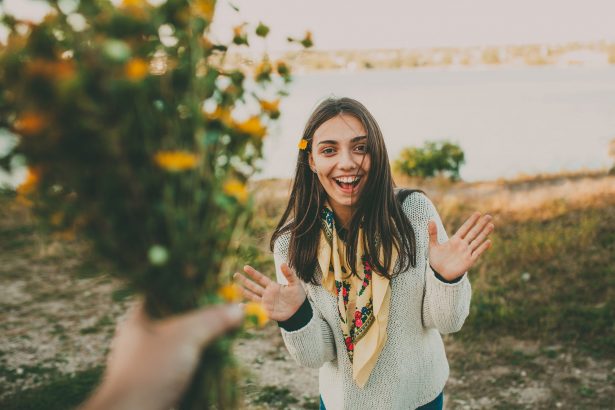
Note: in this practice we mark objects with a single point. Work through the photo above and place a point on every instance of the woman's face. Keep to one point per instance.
(340, 159)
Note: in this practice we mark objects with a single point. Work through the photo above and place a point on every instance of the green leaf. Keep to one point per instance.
(262, 30)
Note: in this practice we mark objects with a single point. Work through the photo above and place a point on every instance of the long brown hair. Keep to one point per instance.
(377, 208)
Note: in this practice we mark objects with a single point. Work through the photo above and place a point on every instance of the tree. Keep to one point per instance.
(434, 158)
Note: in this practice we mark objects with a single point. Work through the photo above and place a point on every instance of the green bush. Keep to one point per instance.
(434, 158)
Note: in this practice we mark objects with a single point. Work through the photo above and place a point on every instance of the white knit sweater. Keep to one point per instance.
(412, 368)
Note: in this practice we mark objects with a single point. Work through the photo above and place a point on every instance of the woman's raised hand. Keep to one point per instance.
(454, 257)
(280, 301)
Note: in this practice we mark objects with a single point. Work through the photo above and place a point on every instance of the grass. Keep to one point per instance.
(275, 397)
(567, 296)
(63, 392)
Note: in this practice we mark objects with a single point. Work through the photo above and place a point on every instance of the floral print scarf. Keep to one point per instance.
(363, 300)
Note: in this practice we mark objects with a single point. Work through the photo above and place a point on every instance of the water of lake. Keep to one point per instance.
(507, 121)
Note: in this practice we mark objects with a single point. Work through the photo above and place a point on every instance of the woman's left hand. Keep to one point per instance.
(454, 257)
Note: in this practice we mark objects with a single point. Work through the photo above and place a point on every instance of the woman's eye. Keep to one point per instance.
(361, 148)
(328, 151)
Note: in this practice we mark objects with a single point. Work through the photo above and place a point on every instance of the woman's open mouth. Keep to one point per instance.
(348, 184)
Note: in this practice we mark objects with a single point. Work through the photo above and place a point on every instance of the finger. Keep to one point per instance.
(250, 295)
(289, 274)
(432, 228)
(248, 284)
(478, 227)
(261, 279)
(206, 324)
(480, 238)
(482, 248)
(465, 228)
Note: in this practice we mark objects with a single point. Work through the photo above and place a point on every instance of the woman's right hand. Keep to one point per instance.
(279, 301)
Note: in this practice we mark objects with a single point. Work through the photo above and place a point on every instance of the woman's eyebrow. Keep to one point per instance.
(334, 142)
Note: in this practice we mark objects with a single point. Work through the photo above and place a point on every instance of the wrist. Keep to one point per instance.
(446, 279)
(299, 319)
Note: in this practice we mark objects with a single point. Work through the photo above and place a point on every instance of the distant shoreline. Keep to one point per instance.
(575, 54)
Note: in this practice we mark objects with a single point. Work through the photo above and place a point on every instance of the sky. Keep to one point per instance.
(359, 24)
(356, 24)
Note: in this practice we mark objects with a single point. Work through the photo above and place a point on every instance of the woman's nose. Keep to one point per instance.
(347, 162)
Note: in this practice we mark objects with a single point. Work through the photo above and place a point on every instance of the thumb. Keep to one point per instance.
(289, 274)
(209, 323)
(432, 229)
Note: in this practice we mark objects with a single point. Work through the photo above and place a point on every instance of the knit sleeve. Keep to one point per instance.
(313, 344)
(445, 305)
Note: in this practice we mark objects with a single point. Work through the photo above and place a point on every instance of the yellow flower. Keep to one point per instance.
(303, 144)
(221, 114)
(30, 123)
(307, 40)
(238, 31)
(204, 8)
(31, 182)
(256, 313)
(231, 293)
(133, 3)
(136, 7)
(236, 189)
(175, 160)
(136, 69)
(253, 126)
(270, 106)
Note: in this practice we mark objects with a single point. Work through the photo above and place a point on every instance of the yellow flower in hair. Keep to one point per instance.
(175, 161)
(256, 313)
(303, 144)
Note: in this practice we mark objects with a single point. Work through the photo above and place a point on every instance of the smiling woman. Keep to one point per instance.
(367, 277)
(341, 162)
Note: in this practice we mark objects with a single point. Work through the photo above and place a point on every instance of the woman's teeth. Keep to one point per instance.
(347, 182)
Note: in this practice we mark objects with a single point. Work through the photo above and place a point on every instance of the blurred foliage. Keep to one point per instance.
(138, 136)
(434, 158)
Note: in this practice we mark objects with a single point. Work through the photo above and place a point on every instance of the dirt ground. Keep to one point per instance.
(57, 318)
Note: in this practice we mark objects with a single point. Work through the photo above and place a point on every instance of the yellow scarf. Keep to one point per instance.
(363, 302)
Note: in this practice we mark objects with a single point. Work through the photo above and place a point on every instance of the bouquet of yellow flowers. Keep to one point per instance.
(139, 136)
